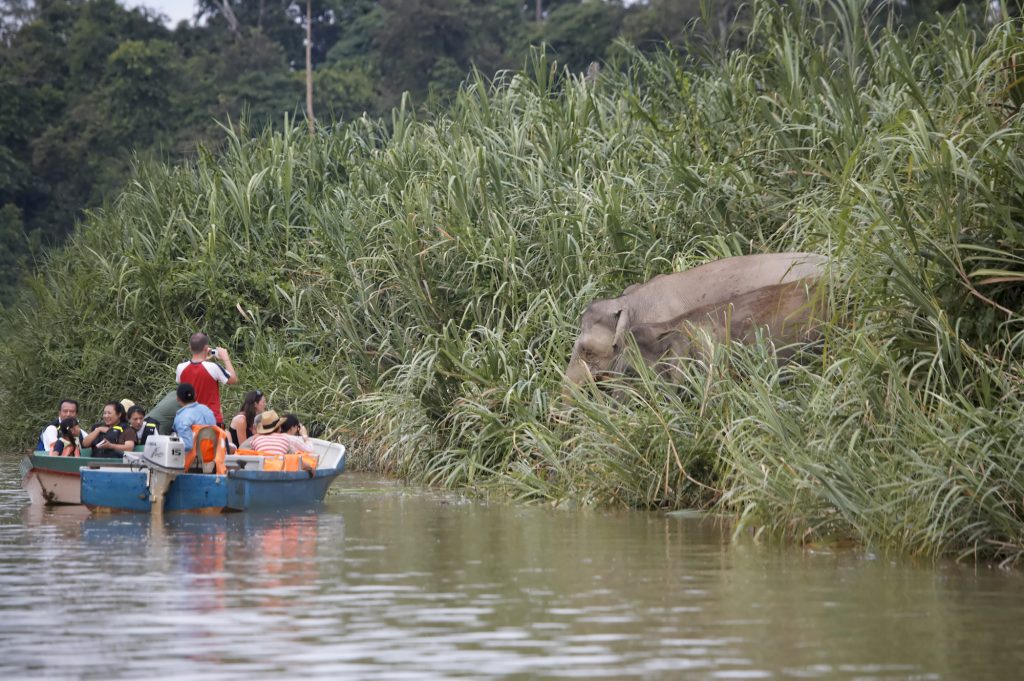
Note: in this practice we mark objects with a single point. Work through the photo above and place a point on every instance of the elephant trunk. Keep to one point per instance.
(576, 373)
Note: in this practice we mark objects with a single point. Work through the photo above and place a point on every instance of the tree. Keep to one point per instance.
(14, 255)
(139, 88)
(580, 33)
(283, 21)
(651, 26)
(424, 44)
(343, 92)
(14, 14)
(98, 30)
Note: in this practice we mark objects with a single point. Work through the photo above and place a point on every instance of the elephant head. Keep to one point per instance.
(599, 342)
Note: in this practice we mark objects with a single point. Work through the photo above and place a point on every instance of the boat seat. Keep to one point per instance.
(250, 462)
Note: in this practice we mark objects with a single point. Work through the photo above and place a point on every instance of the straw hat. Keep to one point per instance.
(127, 404)
(269, 423)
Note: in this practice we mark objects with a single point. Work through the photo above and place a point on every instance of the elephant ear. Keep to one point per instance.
(621, 327)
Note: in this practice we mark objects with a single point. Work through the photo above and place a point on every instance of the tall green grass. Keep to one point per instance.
(413, 286)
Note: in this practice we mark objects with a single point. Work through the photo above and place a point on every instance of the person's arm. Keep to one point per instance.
(58, 448)
(94, 435)
(48, 437)
(127, 445)
(238, 423)
(222, 354)
(177, 425)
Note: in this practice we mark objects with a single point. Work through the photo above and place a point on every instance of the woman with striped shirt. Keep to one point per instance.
(270, 439)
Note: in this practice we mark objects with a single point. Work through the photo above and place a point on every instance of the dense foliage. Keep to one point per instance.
(413, 285)
(88, 87)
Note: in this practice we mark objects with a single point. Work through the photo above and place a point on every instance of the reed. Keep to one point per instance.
(413, 285)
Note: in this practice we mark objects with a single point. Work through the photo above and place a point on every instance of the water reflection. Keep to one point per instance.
(389, 582)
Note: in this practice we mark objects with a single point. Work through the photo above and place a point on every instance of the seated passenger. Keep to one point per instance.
(246, 443)
(163, 412)
(67, 408)
(190, 414)
(241, 426)
(270, 439)
(69, 438)
(293, 427)
(111, 437)
(142, 426)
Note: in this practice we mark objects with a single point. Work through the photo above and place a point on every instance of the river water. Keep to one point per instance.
(386, 581)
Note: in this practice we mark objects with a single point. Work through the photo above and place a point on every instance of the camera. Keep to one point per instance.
(212, 352)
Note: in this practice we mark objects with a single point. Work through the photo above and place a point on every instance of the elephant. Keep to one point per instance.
(787, 314)
(668, 299)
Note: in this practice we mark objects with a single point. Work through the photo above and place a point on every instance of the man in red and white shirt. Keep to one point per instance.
(205, 375)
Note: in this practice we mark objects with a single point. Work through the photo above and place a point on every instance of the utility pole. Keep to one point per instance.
(309, 65)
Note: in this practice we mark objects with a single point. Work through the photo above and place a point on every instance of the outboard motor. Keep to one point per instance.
(165, 451)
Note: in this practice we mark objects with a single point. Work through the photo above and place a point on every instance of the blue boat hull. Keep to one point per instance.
(239, 490)
(272, 489)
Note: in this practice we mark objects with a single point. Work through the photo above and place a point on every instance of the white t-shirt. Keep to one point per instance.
(48, 437)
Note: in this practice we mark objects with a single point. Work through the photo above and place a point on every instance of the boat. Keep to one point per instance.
(161, 482)
(55, 480)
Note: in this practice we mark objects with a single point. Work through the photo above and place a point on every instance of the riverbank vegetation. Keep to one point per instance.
(414, 284)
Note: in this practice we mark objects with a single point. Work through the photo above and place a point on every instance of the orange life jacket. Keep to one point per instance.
(70, 448)
(210, 444)
(299, 461)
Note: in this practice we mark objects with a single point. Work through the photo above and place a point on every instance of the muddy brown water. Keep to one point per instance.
(386, 581)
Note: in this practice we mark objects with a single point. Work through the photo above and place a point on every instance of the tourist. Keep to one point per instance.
(271, 440)
(205, 375)
(241, 427)
(163, 412)
(69, 438)
(66, 409)
(292, 426)
(143, 427)
(191, 413)
(111, 437)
